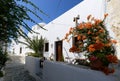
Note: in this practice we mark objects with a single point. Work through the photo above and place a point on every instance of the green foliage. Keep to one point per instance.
(36, 44)
(33, 54)
(3, 58)
(13, 14)
(1, 74)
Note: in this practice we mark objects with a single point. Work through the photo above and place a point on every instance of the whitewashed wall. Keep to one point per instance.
(58, 27)
(113, 10)
(54, 71)
(32, 64)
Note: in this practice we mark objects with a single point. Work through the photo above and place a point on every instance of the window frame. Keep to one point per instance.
(46, 49)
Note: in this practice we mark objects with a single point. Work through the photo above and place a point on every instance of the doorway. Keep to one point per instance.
(58, 50)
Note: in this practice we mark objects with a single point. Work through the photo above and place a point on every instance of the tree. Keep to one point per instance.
(3, 58)
(13, 17)
(36, 44)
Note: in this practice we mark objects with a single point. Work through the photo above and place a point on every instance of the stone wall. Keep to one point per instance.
(113, 9)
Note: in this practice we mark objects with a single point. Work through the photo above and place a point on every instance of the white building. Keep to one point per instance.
(36, 29)
(21, 49)
(17, 48)
(56, 48)
(55, 31)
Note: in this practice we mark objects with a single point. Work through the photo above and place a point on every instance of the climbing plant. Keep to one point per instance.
(92, 38)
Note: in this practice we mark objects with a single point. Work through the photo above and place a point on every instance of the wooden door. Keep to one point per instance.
(58, 51)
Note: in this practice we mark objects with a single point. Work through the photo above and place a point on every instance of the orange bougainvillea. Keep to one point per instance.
(88, 17)
(112, 58)
(89, 32)
(79, 37)
(114, 41)
(108, 44)
(71, 30)
(107, 70)
(99, 46)
(97, 21)
(80, 26)
(74, 49)
(91, 48)
(88, 25)
(105, 15)
(93, 39)
(83, 37)
(96, 46)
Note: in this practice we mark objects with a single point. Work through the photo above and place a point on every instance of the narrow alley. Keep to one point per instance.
(14, 70)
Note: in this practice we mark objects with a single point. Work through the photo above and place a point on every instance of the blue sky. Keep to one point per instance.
(53, 8)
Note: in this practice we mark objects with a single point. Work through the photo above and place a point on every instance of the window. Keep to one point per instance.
(20, 50)
(75, 41)
(46, 47)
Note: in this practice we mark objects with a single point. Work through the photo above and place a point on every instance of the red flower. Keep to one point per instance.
(106, 70)
(92, 58)
(112, 70)
(112, 58)
(73, 49)
(98, 46)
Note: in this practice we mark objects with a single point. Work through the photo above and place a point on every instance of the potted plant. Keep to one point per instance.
(36, 44)
(94, 41)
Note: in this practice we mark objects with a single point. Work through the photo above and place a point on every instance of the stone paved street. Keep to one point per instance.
(14, 70)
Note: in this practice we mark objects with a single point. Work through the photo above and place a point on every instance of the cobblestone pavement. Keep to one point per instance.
(14, 70)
